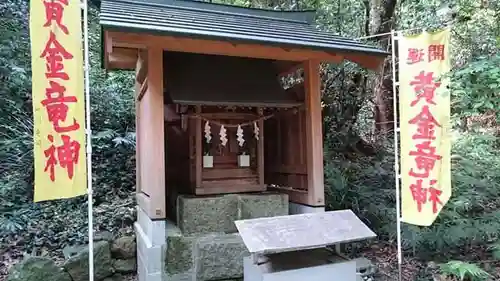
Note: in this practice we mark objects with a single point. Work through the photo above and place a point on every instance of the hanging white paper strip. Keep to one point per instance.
(208, 131)
(240, 138)
(256, 130)
(223, 136)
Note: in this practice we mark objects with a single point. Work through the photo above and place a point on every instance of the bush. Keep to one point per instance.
(471, 217)
(464, 271)
(49, 225)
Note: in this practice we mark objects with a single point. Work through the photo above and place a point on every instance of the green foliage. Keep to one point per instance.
(464, 271)
(359, 173)
(16, 147)
(50, 225)
(476, 88)
(472, 216)
(495, 251)
(16, 167)
(365, 185)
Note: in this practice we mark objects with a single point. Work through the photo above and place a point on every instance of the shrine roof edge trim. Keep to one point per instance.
(226, 23)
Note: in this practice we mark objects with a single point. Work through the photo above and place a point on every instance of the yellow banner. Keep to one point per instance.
(58, 99)
(424, 105)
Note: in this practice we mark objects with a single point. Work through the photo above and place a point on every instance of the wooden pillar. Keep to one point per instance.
(314, 134)
(260, 147)
(198, 148)
(151, 170)
(138, 86)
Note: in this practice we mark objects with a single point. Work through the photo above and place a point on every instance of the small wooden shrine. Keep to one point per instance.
(213, 113)
(227, 100)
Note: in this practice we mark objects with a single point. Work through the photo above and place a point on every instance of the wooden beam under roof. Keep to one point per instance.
(120, 58)
(119, 48)
(285, 68)
(366, 61)
(212, 47)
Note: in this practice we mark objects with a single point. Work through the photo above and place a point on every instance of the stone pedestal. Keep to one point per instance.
(209, 214)
(204, 245)
(215, 256)
(315, 265)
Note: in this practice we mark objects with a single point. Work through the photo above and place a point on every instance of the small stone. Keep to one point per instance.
(124, 247)
(78, 265)
(37, 269)
(125, 266)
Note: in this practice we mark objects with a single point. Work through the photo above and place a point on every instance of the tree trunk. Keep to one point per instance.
(381, 20)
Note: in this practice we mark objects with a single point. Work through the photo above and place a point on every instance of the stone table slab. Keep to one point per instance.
(302, 232)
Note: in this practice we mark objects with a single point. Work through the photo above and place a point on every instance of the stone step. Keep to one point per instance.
(202, 257)
(209, 214)
(215, 257)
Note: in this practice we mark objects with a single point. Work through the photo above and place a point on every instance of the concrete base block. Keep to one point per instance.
(310, 265)
(154, 231)
(296, 209)
(143, 274)
(150, 241)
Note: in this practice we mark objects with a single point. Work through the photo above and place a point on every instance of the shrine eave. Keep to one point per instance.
(202, 20)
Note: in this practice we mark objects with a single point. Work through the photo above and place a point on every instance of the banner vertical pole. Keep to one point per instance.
(89, 140)
(396, 153)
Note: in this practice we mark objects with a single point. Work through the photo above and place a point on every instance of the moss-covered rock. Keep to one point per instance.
(78, 265)
(124, 247)
(125, 266)
(37, 269)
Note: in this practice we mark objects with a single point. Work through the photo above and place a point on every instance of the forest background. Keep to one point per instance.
(464, 243)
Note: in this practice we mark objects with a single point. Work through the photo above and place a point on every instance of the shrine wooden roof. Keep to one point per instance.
(202, 20)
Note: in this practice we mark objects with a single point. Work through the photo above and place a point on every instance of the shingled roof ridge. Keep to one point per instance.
(304, 16)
